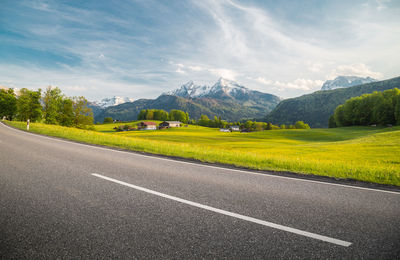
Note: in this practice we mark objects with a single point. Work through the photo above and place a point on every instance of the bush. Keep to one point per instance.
(108, 120)
(301, 125)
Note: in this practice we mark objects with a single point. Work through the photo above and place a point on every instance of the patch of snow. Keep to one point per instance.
(345, 82)
(190, 90)
(114, 101)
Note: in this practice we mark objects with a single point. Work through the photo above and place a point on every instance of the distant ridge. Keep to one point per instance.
(345, 82)
(316, 108)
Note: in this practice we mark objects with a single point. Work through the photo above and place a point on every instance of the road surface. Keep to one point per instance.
(60, 199)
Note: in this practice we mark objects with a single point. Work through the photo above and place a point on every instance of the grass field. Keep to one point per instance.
(362, 153)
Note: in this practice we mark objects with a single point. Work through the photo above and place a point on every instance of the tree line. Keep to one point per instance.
(378, 108)
(247, 125)
(159, 114)
(52, 107)
(217, 122)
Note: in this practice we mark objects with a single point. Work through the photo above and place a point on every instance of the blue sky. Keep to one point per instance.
(142, 48)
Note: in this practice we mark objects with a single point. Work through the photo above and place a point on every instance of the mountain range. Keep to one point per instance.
(234, 102)
(227, 99)
(316, 108)
(345, 82)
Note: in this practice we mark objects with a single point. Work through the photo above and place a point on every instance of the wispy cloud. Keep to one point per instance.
(382, 4)
(179, 70)
(218, 72)
(143, 48)
(360, 70)
(299, 84)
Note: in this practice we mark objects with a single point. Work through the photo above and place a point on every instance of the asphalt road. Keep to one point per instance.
(60, 199)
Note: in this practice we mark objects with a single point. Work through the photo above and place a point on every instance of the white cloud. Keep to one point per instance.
(219, 72)
(299, 84)
(180, 71)
(224, 73)
(76, 88)
(382, 4)
(315, 67)
(359, 69)
(264, 81)
(196, 68)
(93, 85)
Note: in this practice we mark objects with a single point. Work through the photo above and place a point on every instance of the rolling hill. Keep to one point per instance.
(316, 108)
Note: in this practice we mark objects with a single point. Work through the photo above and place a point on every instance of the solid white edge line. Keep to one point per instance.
(135, 153)
(231, 214)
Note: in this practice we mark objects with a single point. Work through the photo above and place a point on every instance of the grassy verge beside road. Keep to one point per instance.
(360, 153)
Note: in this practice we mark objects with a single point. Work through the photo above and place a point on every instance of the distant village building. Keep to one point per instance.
(224, 130)
(168, 124)
(235, 128)
(147, 126)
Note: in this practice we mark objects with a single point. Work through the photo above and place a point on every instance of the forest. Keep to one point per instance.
(51, 107)
(378, 108)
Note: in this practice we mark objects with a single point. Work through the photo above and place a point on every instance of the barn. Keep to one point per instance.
(169, 124)
(147, 126)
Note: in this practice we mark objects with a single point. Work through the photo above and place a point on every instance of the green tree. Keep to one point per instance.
(150, 114)
(339, 116)
(83, 115)
(332, 123)
(178, 115)
(28, 105)
(204, 121)
(301, 125)
(142, 114)
(248, 125)
(8, 103)
(52, 100)
(258, 126)
(397, 110)
(108, 120)
(66, 114)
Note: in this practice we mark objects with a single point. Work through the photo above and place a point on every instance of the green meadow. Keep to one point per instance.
(369, 154)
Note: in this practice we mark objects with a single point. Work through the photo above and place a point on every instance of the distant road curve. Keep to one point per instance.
(62, 199)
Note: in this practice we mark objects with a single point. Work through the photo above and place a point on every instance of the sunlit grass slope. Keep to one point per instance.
(361, 153)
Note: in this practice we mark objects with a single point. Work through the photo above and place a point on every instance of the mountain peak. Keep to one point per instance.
(345, 82)
(189, 90)
(227, 83)
(223, 82)
(188, 84)
(113, 101)
(221, 87)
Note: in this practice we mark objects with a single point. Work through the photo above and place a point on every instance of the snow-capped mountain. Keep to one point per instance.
(114, 101)
(223, 87)
(345, 82)
(229, 88)
(189, 90)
